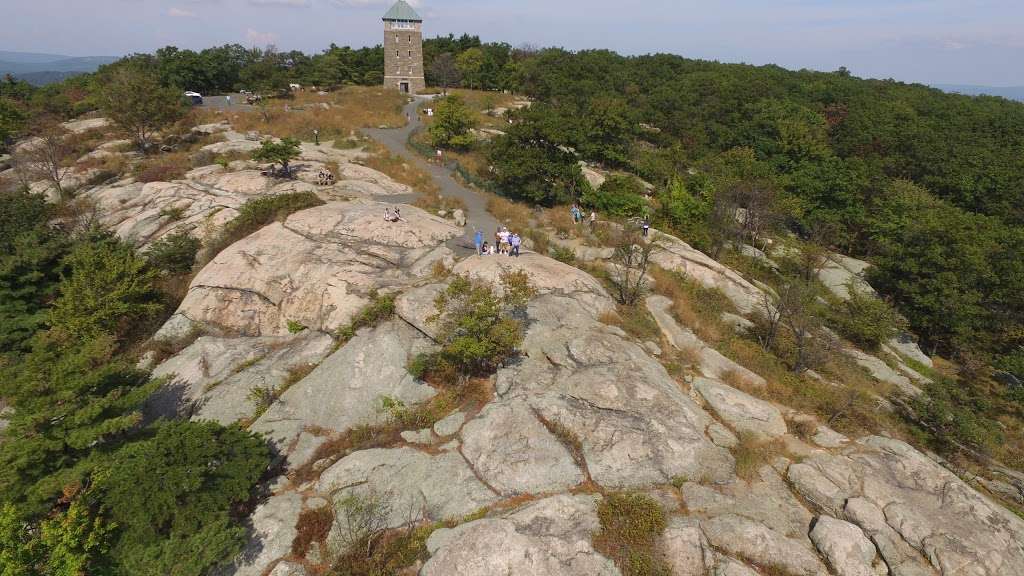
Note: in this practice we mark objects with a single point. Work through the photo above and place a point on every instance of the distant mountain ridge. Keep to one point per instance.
(39, 69)
(1008, 92)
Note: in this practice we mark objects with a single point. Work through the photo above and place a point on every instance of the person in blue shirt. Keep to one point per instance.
(515, 241)
(478, 239)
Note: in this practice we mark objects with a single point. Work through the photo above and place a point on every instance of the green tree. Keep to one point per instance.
(620, 196)
(31, 254)
(134, 98)
(264, 72)
(282, 152)
(866, 319)
(76, 542)
(531, 161)
(20, 553)
(70, 399)
(173, 496)
(937, 263)
(684, 211)
(108, 289)
(477, 329)
(174, 253)
(12, 120)
(607, 131)
(452, 124)
(69, 543)
(444, 72)
(470, 64)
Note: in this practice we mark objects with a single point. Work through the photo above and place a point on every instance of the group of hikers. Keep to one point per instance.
(505, 242)
(577, 215)
(325, 177)
(393, 215)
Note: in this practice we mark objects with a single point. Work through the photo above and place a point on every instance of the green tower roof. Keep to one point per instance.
(402, 11)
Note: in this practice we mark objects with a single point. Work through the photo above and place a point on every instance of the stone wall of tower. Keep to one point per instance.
(403, 55)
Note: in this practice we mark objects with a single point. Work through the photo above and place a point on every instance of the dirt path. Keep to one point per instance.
(477, 216)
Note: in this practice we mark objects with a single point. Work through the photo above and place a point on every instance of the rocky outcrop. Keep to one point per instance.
(847, 549)
(839, 272)
(212, 378)
(905, 345)
(550, 536)
(883, 372)
(745, 538)
(318, 268)
(347, 389)
(740, 410)
(678, 256)
(634, 425)
(711, 362)
(200, 205)
(515, 454)
(85, 125)
(547, 275)
(273, 530)
(417, 486)
(584, 405)
(917, 512)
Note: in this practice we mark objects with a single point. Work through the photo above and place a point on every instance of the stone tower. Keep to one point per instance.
(403, 49)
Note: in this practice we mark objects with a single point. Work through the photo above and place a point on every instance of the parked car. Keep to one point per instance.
(194, 97)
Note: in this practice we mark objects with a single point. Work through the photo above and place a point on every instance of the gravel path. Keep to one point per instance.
(477, 216)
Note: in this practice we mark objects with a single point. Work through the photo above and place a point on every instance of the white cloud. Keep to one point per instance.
(260, 38)
(296, 3)
(179, 13)
(367, 3)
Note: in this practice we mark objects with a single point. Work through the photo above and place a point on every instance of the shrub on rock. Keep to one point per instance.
(477, 329)
(173, 496)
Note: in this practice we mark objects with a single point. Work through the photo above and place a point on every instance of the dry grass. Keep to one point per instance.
(108, 167)
(693, 306)
(482, 100)
(631, 524)
(635, 320)
(163, 167)
(752, 453)
(313, 526)
(515, 215)
(851, 408)
(295, 374)
(738, 380)
(559, 219)
(399, 170)
(803, 427)
(434, 202)
(569, 439)
(350, 109)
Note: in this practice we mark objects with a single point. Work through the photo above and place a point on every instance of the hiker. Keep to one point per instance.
(593, 219)
(387, 214)
(515, 241)
(575, 211)
(497, 239)
(440, 157)
(504, 240)
(484, 249)
(646, 226)
(229, 100)
(398, 214)
(478, 240)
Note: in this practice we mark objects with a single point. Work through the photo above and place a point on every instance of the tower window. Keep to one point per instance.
(410, 53)
(396, 54)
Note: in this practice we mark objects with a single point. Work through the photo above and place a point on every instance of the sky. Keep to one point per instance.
(929, 41)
